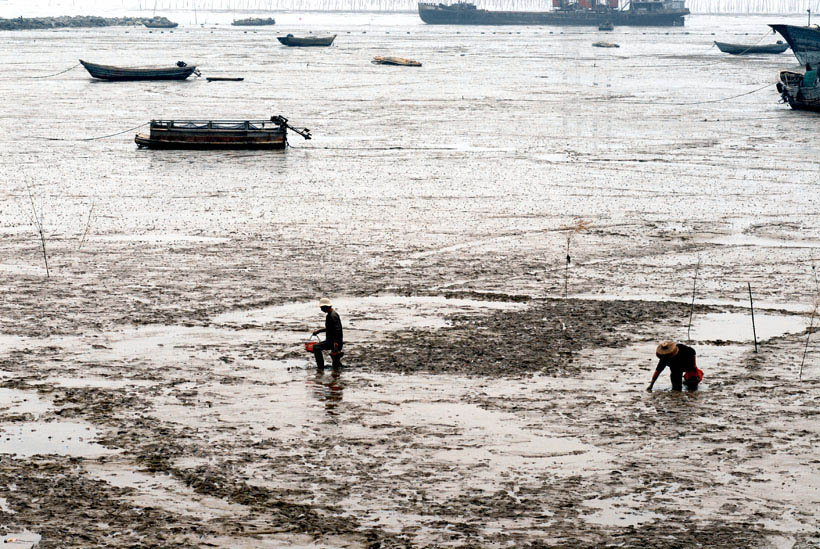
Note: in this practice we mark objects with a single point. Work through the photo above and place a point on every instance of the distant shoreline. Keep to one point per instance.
(75, 22)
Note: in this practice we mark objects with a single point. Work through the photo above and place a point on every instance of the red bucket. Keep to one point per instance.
(310, 345)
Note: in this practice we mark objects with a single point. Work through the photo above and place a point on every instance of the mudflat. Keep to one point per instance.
(154, 389)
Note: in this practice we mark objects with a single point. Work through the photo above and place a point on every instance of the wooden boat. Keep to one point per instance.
(224, 78)
(400, 61)
(306, 41)
(254, 22)
(106, 72)
(804, 42)
(800, 91)
(742, 49)
(219, 134)
(605, 45)
(160, 23)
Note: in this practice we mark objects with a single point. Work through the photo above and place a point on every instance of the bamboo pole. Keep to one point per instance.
(752, 305)
(692, 309)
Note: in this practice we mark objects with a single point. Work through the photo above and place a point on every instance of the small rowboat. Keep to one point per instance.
(224, 79)
(219, 134)
(741, 49)
(106, 72)
(306, 41)
(400, 61)
(605, 45)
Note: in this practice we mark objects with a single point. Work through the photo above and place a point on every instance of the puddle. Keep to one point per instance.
(163, 491)
(159, 238)
(759, 305)
(370, 314)
(763, 242)
(22, 270)
(96, 382)
(4, 506)
(21, 540)
(65, 439)
(738, 326)
(15, 401)
(619, 511)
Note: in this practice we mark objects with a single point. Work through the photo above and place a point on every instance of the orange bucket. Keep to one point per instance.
(310, 345)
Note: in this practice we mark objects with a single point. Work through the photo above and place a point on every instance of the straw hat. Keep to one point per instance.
(667, 349)
(325, 302)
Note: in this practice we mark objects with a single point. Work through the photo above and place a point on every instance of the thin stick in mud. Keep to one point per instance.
(38, 222)
(87, 225)
(811, 322)
(692, 309)
(752, 305)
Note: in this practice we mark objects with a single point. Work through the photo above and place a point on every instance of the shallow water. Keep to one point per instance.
(60, 438)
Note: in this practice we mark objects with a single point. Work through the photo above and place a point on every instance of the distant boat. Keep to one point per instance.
(741, 49)
(224, 79)
(605, 45)
(804, 42)
(399, 61)
(160, 23)
(640, 13)
(306, 41)
(219, 134)
(606, 26)
(107, 72)
(800, 91)
(254, 22)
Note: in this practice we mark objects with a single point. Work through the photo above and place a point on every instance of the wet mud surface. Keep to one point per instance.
(154, 390)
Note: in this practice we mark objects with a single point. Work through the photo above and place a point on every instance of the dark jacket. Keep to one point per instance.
(684, 361)
(333, 328)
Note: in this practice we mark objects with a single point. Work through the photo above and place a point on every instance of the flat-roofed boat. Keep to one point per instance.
(743, 49)
(180, 71)
(306, 41)
(219, 134)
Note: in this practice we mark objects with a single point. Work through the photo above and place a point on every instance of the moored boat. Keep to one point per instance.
(644, 13)
(180, 71)
(254, 22)
(219, 134)
(742, 49)
(160, 23)
(804, 42)
(800, 91)
(306, 41)
(398, 61)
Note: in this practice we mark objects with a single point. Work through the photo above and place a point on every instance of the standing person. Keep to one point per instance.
(334, 340)
(681, 361)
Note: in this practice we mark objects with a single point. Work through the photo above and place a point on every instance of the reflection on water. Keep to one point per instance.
(327, 389)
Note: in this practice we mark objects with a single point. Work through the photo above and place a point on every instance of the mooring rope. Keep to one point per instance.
(94, 138)
(763, 87)
(56, 73)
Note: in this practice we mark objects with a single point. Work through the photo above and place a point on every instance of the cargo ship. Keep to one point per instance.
(641, 13)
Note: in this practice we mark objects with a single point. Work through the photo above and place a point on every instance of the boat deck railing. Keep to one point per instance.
(216, 124)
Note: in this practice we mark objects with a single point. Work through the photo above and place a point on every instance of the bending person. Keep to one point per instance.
(683, 368)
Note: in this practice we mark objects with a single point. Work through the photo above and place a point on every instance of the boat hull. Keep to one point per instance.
(213, 135)
(740, 49)
(107, 72)
(438, 14)
(804, 42)
(799, 96)
(297, 42)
